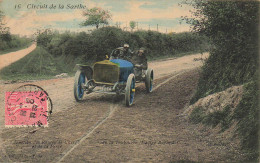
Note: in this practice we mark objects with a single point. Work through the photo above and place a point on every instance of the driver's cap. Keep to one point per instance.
(142, 50)
(126, 46)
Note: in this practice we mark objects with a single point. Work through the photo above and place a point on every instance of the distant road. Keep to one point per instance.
(9, 58)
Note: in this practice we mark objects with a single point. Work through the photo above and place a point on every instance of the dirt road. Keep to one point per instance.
(9, 58)
(102, 129)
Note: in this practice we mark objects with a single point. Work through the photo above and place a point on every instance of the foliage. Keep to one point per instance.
(96, 45)
(3, 29)
(1, 16)
(10, 42)
(232, 27)
(96, 16)
(233, 31)
(247, 115)
(5, 36)
(44, 37)
(132, 25)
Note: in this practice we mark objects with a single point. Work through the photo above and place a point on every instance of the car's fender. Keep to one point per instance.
(87, 69)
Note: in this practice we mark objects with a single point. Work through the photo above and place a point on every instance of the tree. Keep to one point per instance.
(4, 31)
(96, 16)
(44, 37)
(232, 27)
(1, 18)
(3, 28)
(132, 25)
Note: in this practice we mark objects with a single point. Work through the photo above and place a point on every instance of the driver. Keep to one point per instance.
(122, 53)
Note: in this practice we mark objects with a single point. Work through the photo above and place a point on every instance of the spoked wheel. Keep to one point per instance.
(80, 79)
(149, 80)
(130, 90)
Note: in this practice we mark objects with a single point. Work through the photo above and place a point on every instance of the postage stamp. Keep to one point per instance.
(28, 105)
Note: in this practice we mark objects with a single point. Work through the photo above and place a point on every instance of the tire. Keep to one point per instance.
(130, 90)
(149, 80)
(80, 77)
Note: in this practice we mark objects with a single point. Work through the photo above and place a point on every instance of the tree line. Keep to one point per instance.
(96, 45)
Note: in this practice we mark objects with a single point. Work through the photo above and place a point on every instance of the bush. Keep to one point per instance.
(233, 30)
(8, 42)
(96, 45)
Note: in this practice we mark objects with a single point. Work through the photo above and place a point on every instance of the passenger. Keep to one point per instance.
(140, 62)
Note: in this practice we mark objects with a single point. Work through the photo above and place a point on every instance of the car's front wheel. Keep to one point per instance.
(80, 80)
(130, 90)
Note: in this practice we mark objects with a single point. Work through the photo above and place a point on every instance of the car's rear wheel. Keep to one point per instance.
(130, 90)
(80, 79)
(149, 80)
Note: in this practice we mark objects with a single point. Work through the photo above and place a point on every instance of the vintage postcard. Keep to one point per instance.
(127, 80)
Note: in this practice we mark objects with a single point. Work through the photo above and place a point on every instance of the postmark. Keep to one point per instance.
(28, 105)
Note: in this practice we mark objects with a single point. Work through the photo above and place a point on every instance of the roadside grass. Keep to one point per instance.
(15, 49)
(222, 118)
(197, 115)
(39, 64)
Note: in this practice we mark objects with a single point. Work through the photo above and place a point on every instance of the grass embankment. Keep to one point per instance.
(39, 64)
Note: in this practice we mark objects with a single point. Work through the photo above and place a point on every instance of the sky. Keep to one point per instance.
(24, 17)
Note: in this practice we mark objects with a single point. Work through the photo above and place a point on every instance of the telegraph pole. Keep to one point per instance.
(157, 27)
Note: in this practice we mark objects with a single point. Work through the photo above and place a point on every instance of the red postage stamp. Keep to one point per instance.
(26, 108)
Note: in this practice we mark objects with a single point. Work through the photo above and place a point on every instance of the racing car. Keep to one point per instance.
(113, 76)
